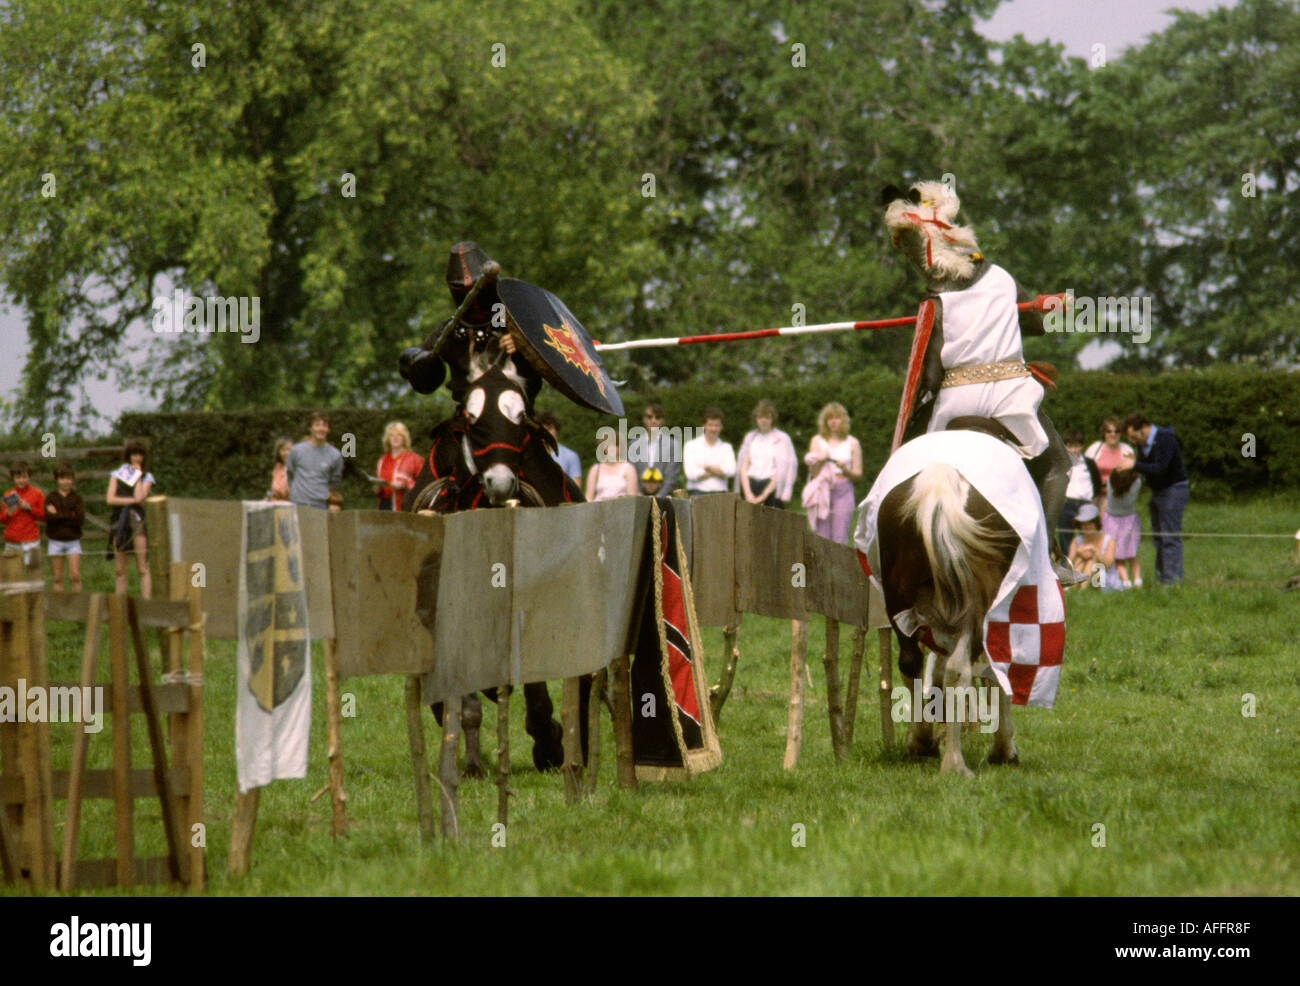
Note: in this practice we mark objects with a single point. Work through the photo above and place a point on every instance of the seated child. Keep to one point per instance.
(1092, 547)
(65, 514)
(21, 509)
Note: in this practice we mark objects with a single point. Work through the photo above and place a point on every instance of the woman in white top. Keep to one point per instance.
(610, 478)
(835, 460)
(767, 464)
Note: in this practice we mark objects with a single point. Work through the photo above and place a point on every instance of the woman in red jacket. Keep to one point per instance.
(398, 467)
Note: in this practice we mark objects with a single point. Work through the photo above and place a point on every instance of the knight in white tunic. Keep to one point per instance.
(974, 363)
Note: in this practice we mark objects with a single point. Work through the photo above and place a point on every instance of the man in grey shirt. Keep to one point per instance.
(314, 467)
(660, 449)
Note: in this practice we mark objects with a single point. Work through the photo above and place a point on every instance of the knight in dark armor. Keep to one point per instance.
(481, 332)
(974, 364)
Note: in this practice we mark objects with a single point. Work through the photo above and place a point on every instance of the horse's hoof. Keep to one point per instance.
(921, 751)
(474, 772)
(957, 767)
(548, 749)
(999, 757)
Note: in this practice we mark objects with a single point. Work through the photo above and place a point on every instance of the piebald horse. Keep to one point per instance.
(944, 551)
(487, 454)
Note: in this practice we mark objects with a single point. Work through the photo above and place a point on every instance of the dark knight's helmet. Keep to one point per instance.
(464, 267)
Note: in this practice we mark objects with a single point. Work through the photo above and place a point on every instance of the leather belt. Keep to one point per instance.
(985, 373)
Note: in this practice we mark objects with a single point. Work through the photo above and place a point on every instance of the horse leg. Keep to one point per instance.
(584, 712)
(956, 675)
(471, 718)
(1004, 747)
(920, 734)
(540, 724)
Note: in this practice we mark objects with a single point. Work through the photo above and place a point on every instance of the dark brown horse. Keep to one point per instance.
(944, 551)
(490, 453)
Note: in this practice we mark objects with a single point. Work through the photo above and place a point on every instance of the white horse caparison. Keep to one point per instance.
(944, 552)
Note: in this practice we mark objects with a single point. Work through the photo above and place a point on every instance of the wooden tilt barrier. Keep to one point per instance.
(752, 559)
(28, 785)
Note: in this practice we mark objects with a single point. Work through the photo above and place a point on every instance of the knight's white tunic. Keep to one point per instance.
(981, 324)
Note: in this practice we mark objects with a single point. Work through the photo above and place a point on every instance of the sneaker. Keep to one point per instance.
(1137, 583)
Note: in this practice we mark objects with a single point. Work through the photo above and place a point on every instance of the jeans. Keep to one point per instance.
(1167, 508)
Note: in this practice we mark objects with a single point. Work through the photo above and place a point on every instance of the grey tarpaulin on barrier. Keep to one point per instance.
(771, 578)
(837, 586)
(535, 595)
(207, 532)
(375, 563)
(713, 557)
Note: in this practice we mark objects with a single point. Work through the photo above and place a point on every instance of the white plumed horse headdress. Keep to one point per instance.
(922, 222)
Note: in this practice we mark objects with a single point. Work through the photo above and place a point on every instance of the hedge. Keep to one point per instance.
(1213, 412)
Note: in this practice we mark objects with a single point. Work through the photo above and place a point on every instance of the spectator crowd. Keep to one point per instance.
(1098, 530)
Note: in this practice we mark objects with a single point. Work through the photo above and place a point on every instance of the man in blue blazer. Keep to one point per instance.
(1160, 463)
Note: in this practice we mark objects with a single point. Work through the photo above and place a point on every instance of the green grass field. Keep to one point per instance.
(1148, 740)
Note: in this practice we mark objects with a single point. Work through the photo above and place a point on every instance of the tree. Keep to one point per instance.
(319, 155)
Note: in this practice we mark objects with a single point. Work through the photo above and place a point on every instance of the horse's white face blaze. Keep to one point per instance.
(500, 484)
(511, 404)
(474, 403)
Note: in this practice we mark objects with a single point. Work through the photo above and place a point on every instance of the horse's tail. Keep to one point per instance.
(964, 554)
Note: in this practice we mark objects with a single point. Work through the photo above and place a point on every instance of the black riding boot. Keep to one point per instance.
(1051, 472)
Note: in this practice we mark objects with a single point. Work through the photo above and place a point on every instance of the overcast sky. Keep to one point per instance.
(1077, 24)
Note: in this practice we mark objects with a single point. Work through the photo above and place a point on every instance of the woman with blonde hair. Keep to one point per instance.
(834, 462)
(398, 466)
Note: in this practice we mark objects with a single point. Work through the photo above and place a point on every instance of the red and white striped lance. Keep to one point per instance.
(1037, 305)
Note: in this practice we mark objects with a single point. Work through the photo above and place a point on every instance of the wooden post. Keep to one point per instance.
(886, 687)
(40, 677)
(193, 811)
(80, 740)
(448, 772)
(334, 717)
(242, 824)
(621, 713)
(503, 754)
(731, 648)
(8, 852)
(153, 729)
(175, 586)
(161, 570)
(419, 757)
(855, 677)
(123, 806)
(593, 729)
(834, 707)
(798, 654)
(27, 745)
(570, 716)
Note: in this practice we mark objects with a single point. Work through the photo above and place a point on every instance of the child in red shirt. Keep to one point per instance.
(21, 509)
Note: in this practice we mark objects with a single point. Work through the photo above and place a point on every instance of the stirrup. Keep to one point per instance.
(1068, 576)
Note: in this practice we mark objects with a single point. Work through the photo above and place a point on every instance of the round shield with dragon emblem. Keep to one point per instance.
(554, 341)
